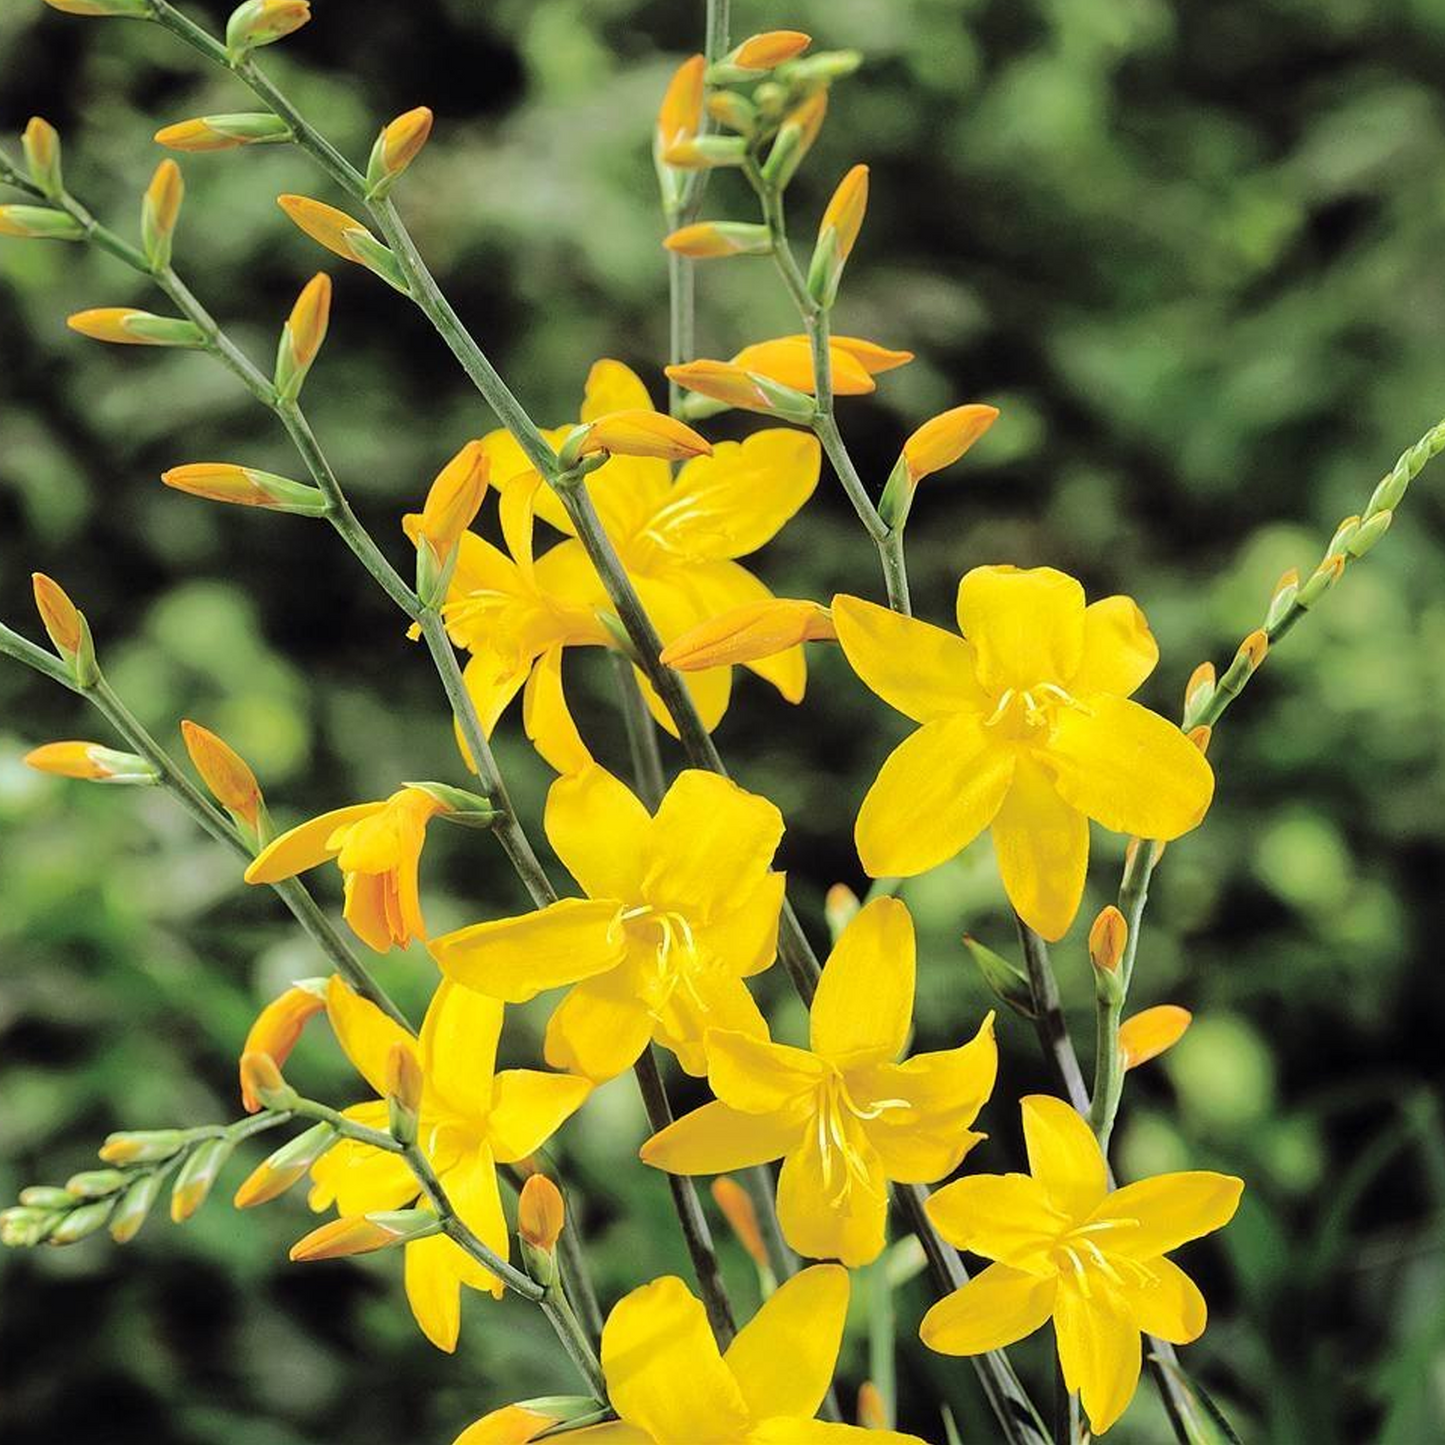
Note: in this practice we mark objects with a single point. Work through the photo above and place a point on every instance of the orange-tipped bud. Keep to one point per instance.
(193, 1184)
(737, 1208)
(397, 146)
(454, 500)
(837, 233)
(1321, 580)
(770, 48)
(680, 116)
(135, 9)
(364, 1234)
(789, 360)
(262, 1081)
(1199, 690)
(40, 223)
(91, 762)
(205, 133)
(125, 326)
(1107, 940)
(749, 633)
(1200, 737)
(1254, 649)
(160, 210)
(644, 434)
(224, 771)
(940, 442)
(840, 907)
(711, 240)
(404, 1081)
(541, 1213)
(245, 487)
(872, 1408)
(1147, 1034)
(277, 1029)
(277, 1173)
(303, 334)
(263, 22)
(344, 235)
(795, 139)
(59, 615)
(41, 143)
(752, 391)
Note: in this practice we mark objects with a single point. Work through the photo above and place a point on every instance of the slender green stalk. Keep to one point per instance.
(682, 342)
(647, 768)
(1108, 1070)
(12, 644)
(882, 1326)
(577, 1281)
(1049, 1022)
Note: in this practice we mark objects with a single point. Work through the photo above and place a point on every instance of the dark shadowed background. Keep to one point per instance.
(1193, 253)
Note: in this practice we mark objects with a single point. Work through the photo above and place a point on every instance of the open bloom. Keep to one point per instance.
(378, 847)
(1026, 729)
(668, 1382)
(471, 1120)
(845, 1117)
(1064, 1246)
(680, 908)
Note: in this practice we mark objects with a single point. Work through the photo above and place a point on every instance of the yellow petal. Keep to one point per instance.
(710, 691)
(459, 1047)
(789, 1430)
(365, 1034)
(547, 719)
(938, 790)
(597, 825)
(516, 958)
(994, 1309)
(1168, 1305)
(1128, 768)
(834, 1208)
(1169, 1210)
(357, 1178)
(1148, 1033)
(745, 940)
(1064, 1155)
(715, 1139)
(783, 1358)
(492, 682)
(656, 1338)
(366, 911)
(1119, 650)
(307, 845)
(1098, 1352)
(471, 1186)
(627, 492)
(434, 1291)
(738, 606)
(610, 1432)
(1042, 846)
(712, 1000)
(945, 1092)
(709, 839)
(789, 360)
(863, 1008)
(731, 503)
(1004, 1217)
(759, 1077)
(529, 1107)
(511, 1425)
(613, 386)
(921, 670)
(601, 1027)
(1027, 626)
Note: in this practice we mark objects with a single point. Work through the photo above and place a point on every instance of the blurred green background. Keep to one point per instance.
(1191, 250)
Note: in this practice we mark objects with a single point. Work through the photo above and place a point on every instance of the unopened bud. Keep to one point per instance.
(143, 1146)
(127, 9)
(541, 1213)
(1343, 533)
(872, 1408)
(278, 1172)
(262, 1080)
(737, 1208)
(841, 906)
(160, 211)
(277, 1030)
(1286, 590)
(364, 1234)
(1147, 1034)
(95, 1183)
(263, 22)
(937, 444)
(81, 1223)
(224, 132)
(228, 776)
(67, 629)
(1006, 979)
(125, 326)
(794, 140)
(302, 335)
(46, 1196)
(711, 240)
(837, 233)
(1107, 940)
(678, 120)
(134, 1206)
(735, 111)
(758, 53)
(1200, 737)
(750, 633)
(246, 487)
(823, 68)
(707, 152)
(1321, 580)
(22, 1227)
(1253, 650)
(751, 391)
(198, 1174)
(1198, 691)
(41, 143)
(1368, 533)
(92, 763)
(39, 223)
(396, 148)
(345, 236)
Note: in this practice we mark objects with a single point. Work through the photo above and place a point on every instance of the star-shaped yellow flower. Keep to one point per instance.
(680, 908)
(670, 1386)
(844, 1116)
(378, 847)
(1064, 1246)
(1026, 729)
(472, 1119)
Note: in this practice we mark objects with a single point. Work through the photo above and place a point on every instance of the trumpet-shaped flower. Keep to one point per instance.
(377, 846)
(1026, 729)
(471, 1120)
(1064, 1246)
(680, 908)
(844, 1115)
(669, 1384)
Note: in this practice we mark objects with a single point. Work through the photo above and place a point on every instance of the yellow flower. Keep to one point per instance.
(844, 1115)
(1149, 1033)
(278, 1028)
(678, 539)
(749, 633)
(377, 846)
(642, 432)
(1025, 729)
(453, 501)
(789, 359)
(668, 1382)
(472, 1119)
(1064, 1246)
(680, 908)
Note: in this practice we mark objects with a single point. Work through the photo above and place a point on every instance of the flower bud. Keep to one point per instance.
(937, 444)
(143, 1146)
(736, 112)
(794, 140)
(263, 22)
(92, 763)
(1200, 737)
(710, 240)
(765, 50)
(226, 773)
(737, 1208)
(1343, 533)
(841, 906)
(245, 487)
(451, 507)
(81, 1223)
(1368, 533)
(134, 1206)
(404, 1088)
(277, 1173)
(22, 1227)
(678, 121)
(224, 132)
(640, 434)
(750, 633)
(707, 152)
(344, 235)
(39, 223)
(67, 629)
(836, 236)
(1107, 940)
(789, 360)
(1147, 1034)
(541, 1213)
(514, 1425)
(278, 1028)
(261, 1080)
(396, 148)
(1198, 692)
(198, 1174)
(41, 143)
(872, 1408)
(129, 9)
(731, 385)
(125, 326)
(95, 1183)
(46, 1197)
(1252, 651)
(821, 69)
(457, 805)
(160, 211)
(302, 335)
(1006, 979)
(364, 1234)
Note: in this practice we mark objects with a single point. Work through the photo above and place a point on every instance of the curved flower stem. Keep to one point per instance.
(647, 770)
(689, 1208)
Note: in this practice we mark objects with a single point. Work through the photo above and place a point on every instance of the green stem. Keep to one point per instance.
(1108, 1069)
(882, 1326)
(682, 342)
(1049, 1022)
(647, 767)
(577, 1281)
(12, 644)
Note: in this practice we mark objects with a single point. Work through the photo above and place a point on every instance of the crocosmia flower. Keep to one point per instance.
(1026, 728)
